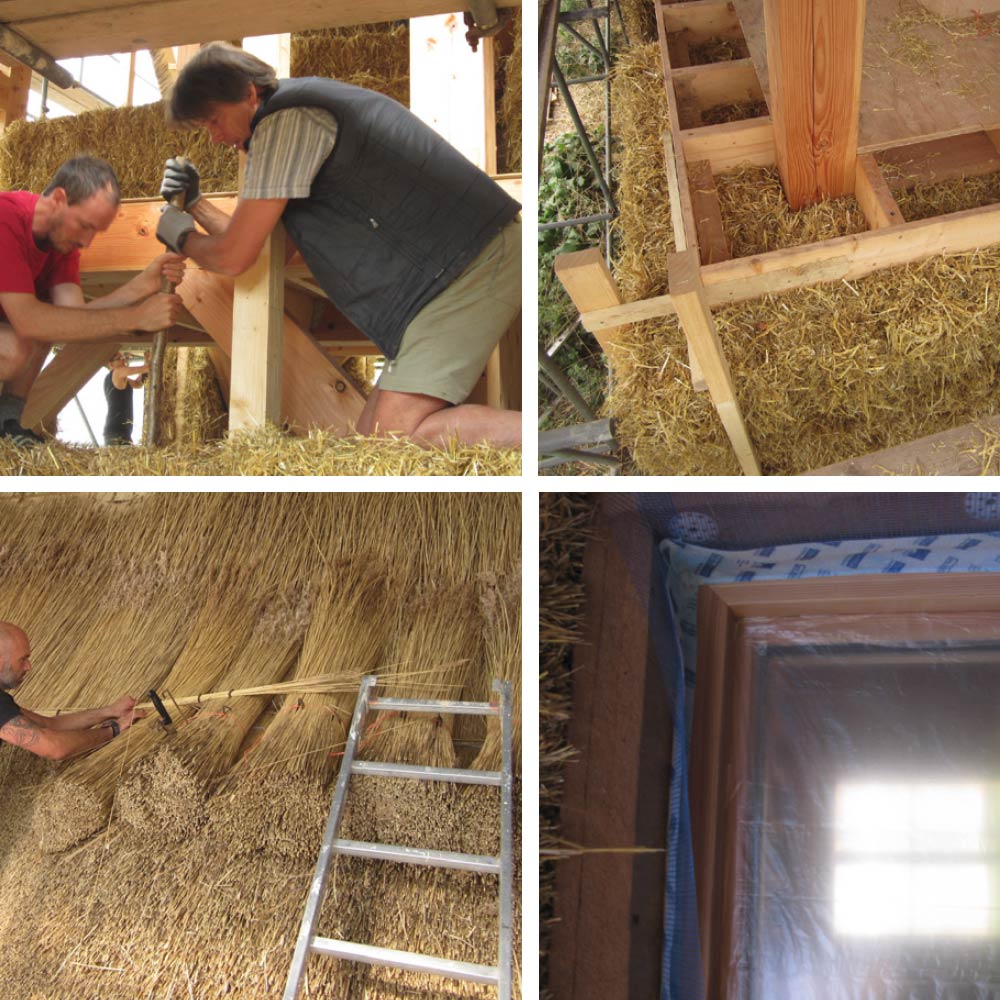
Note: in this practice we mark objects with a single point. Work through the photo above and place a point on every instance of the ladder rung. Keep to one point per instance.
(417, 856)
(434, 707)
(368, 953)
(461, 776)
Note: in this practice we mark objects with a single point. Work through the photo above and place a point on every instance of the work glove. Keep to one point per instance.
(178, 177)
(174, 228)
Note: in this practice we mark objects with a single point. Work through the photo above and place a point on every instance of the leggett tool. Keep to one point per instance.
(168, 722)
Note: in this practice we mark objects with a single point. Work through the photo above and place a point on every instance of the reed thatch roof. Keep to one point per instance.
(177, 864)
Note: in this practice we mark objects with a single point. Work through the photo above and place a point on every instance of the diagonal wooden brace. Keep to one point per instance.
(691, 303)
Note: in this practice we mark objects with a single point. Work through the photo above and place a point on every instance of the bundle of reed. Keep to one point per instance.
(79, 802)
(502, 642)
(275, 796)
(125, 651)
(166, 794)
(437, 655)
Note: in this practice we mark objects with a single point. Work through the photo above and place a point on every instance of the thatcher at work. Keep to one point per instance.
(41, 302)
(61, 736)
(418, 247)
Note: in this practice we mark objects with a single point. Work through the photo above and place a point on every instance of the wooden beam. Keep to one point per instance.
(590, 285)
(814, 54)
(315, 391)
(705, 19)
(713, 246)
(719, 83)
(732, 144)
(846, 257)
(963, 451)
(683, 222)
(66, 29)
(130, 243)
(68, 372)
(695, 317)
(258, 323)
(874, 196)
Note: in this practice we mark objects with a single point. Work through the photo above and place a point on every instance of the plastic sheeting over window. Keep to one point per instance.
(837, 949)
(861, 822)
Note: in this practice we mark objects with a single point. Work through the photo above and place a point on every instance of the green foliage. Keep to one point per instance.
(568, 189)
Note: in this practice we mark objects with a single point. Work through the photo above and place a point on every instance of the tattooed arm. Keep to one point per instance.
(52, 744)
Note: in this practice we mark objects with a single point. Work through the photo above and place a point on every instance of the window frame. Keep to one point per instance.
(732, 618)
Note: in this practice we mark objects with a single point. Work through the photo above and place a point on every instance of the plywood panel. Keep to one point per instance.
(952, 88)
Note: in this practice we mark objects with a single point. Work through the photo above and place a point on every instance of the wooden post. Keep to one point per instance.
(130, 96)
(258, 312)
(490, 98)
(503, 371)
(447, 84)
(814, 56)
(15, 85)
(695, 317)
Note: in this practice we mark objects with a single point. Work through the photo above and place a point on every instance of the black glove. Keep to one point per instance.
(174, 228)
(178, 177)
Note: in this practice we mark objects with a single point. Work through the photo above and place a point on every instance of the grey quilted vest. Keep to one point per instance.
(395, 213)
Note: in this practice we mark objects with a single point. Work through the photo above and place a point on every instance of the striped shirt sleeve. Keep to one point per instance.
(286, 152)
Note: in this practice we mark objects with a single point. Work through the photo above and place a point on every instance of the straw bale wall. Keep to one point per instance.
(190, 887)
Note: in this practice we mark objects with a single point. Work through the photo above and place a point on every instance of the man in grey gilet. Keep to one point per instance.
(418, 247)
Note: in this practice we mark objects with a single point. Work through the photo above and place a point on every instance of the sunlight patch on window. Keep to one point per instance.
(909, 860)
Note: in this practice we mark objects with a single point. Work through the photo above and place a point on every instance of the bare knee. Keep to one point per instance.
(398, 413)
(16, 353)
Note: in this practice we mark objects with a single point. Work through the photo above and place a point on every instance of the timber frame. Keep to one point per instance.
(814, 62)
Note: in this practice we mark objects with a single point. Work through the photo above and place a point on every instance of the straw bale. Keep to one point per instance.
(264, 453)
(192, 408)
(135, 141)
(376, 56)
(821, 374)
(640, 20)
(509, 91)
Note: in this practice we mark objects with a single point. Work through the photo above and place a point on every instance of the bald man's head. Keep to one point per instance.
(15, 655)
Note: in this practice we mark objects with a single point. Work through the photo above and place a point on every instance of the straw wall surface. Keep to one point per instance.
(563, 524)
(141, 911)
(822, 374)
(264, 453)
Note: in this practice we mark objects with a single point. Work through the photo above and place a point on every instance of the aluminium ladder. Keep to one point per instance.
(309, 943)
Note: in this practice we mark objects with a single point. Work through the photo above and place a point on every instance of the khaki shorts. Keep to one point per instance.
(446, 346)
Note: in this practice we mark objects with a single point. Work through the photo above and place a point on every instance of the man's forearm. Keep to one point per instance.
(213, 220)
(86, 719)
(62, 324)
(133, 291)
(213, 253)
